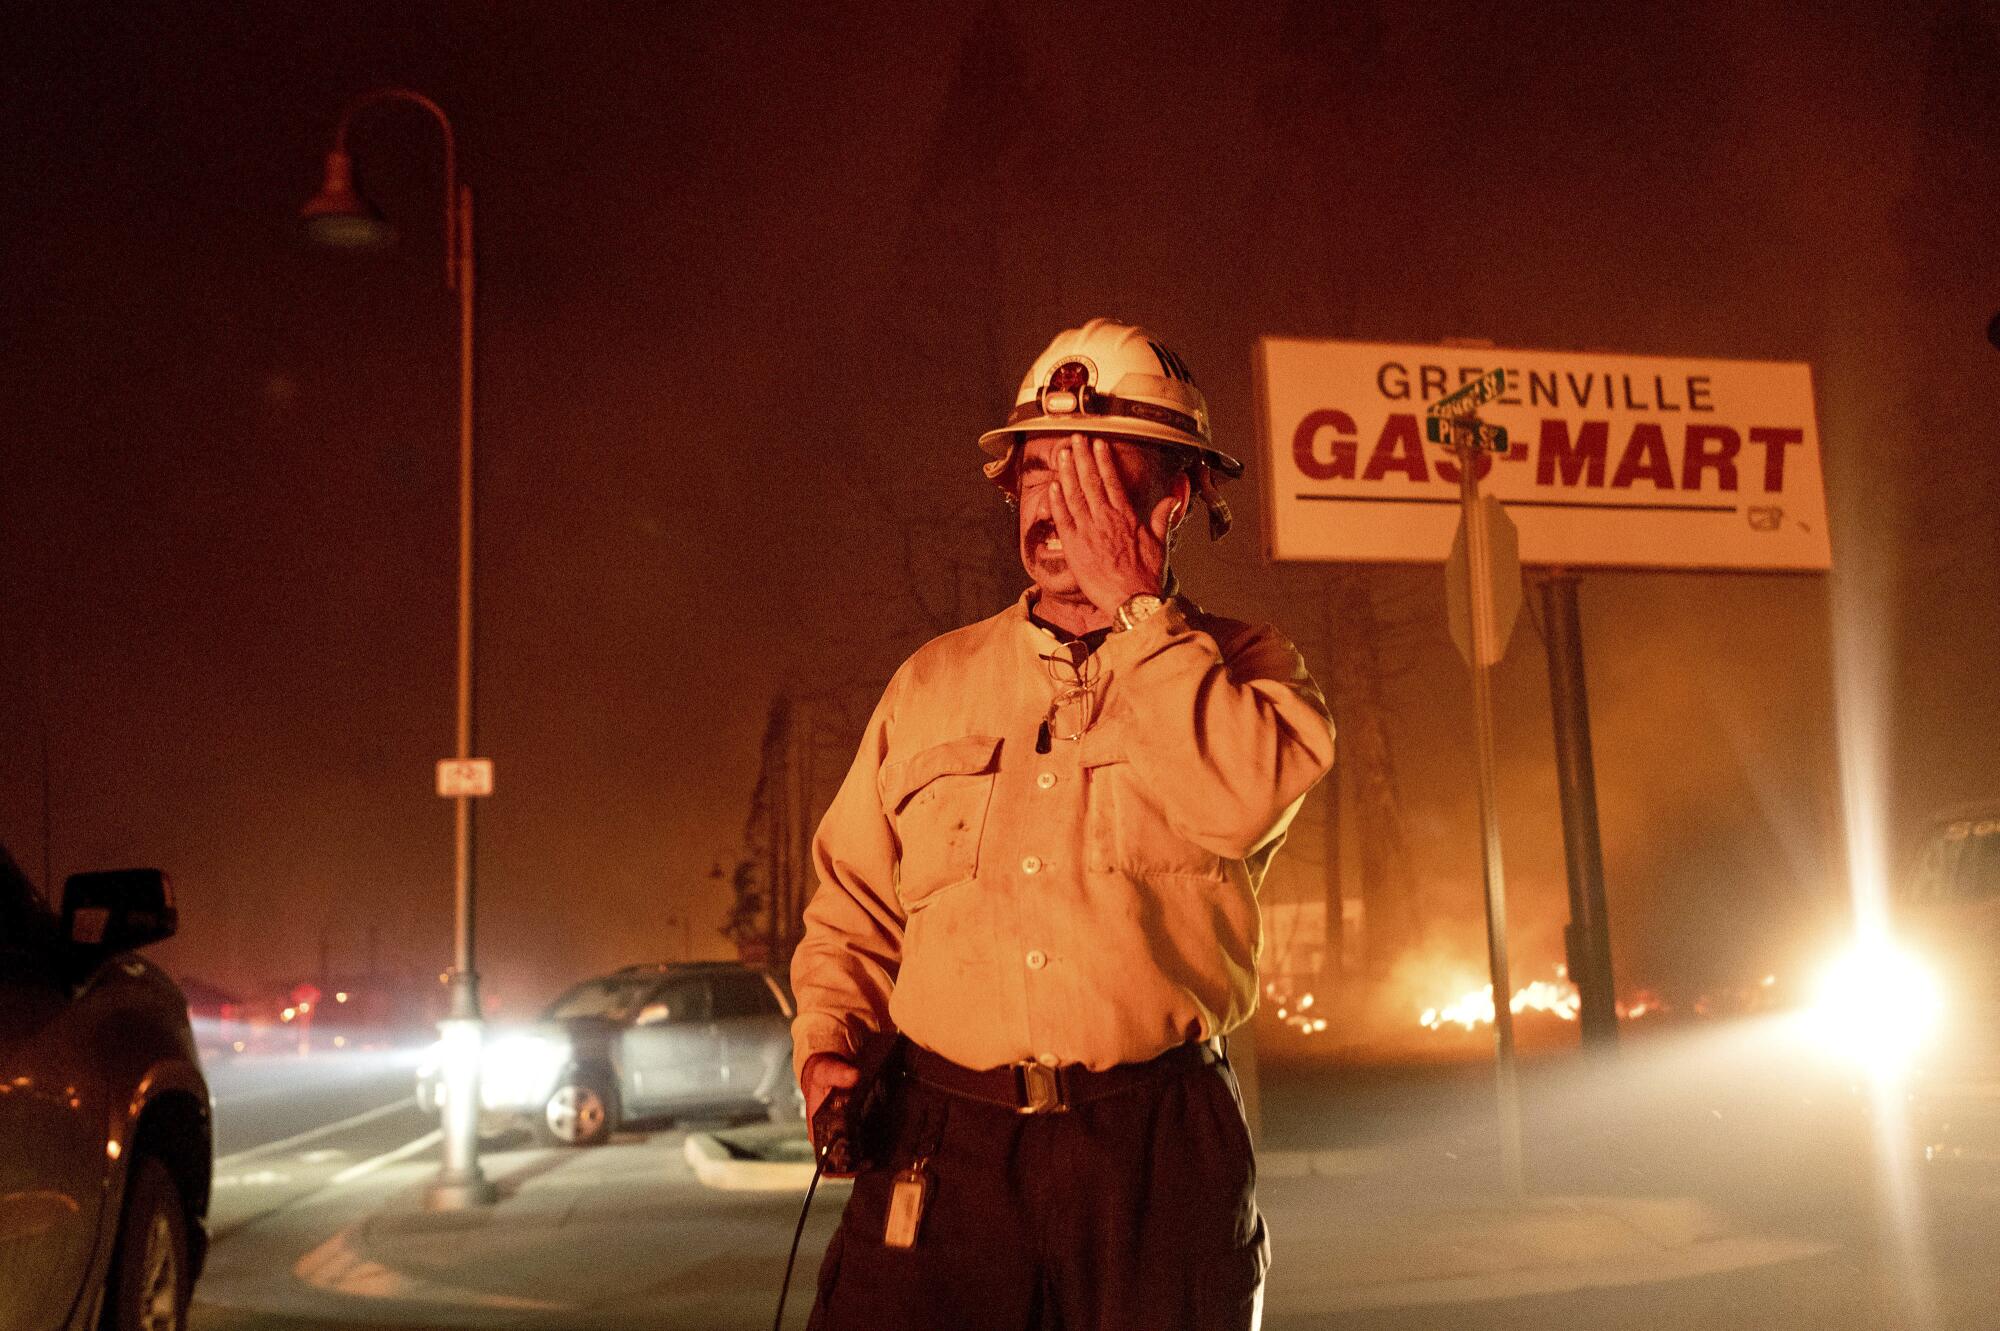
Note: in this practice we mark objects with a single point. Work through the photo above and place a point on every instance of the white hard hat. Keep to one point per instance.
(1111, 379)
(1115, 379)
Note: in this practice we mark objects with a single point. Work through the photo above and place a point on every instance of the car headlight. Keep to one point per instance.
(1878, 1005)
(520, 1069)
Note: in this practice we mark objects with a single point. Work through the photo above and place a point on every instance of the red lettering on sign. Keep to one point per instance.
(1582, 459)
(1645, 457)
(1399, 449)
(1481, 464)
(1775, 440)
(1710, 448)
(1339, 465)
(1570, 454)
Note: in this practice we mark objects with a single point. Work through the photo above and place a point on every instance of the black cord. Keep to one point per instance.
(778, 1322)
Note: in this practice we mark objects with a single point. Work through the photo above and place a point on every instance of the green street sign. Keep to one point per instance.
(1447, 429)
(1480, 391)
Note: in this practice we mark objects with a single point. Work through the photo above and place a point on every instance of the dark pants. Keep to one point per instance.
(1136, 1212)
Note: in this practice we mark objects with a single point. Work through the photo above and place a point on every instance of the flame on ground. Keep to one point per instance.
(1475, 1008)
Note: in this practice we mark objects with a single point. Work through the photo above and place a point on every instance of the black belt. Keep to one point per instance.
(1037, 1088)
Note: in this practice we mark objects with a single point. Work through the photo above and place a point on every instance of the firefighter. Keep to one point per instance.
(1041, 872)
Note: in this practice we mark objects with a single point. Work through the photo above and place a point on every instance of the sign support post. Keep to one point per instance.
(1587, 939)
(1453, 421)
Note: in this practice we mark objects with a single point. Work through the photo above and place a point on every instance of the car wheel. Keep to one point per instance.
(149, 1283)
(581, 1111)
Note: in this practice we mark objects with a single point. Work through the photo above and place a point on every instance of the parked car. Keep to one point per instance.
(106, 1144)
(675, 1038)
(1914, 1002)
(1950, 907)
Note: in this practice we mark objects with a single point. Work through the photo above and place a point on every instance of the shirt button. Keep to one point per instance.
(1037, 959)
(1045, 780)
(1031, 865)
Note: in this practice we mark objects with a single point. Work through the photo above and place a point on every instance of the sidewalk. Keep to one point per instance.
(628, 1235)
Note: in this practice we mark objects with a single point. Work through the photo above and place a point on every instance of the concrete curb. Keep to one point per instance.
(718, 1166)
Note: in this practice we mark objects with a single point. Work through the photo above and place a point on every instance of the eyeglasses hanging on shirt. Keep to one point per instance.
(1073, 671)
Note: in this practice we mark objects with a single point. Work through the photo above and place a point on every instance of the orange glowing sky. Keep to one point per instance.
(753, 279)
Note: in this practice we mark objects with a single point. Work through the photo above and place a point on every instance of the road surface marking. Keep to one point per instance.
(403, 1152)
(314, 1134)
(336, 1267)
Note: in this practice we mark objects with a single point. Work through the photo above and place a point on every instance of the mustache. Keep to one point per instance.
(1038, 531)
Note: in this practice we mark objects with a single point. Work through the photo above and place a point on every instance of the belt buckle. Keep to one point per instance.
(1041, 1089)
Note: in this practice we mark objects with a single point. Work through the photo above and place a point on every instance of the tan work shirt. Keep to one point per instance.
(1095, 904)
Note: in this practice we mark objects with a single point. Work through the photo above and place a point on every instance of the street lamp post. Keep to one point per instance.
(341, 217)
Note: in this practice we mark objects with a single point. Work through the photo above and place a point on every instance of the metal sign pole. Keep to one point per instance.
(1479, 559)
(1588, 939)
(1454, 421)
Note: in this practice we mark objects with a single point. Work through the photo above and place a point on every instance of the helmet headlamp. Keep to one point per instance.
(1068, 390)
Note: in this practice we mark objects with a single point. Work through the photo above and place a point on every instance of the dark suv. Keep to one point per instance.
(105, 1138)
(675, 1038)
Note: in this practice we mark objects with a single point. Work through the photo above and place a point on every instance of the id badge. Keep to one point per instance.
(906, 1207)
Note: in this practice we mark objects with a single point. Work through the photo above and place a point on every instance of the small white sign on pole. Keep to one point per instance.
(1504, 576)
(1616, 461)
(467, 777)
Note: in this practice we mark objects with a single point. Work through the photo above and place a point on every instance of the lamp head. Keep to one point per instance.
(339, 216)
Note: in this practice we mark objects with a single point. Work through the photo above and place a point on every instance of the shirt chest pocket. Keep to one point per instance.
(937, 800)
(1129, 832)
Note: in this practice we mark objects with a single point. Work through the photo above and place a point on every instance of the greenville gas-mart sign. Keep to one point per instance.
(1615, 461)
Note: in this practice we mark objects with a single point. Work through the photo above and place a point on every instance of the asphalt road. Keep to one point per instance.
(288, 1127)
(1781, 1144)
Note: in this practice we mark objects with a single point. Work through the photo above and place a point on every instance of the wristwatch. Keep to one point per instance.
(1138, 609)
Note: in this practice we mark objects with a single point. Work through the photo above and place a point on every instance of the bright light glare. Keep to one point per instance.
(520, 1070)
(1863, 586)
(1878, 1005)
